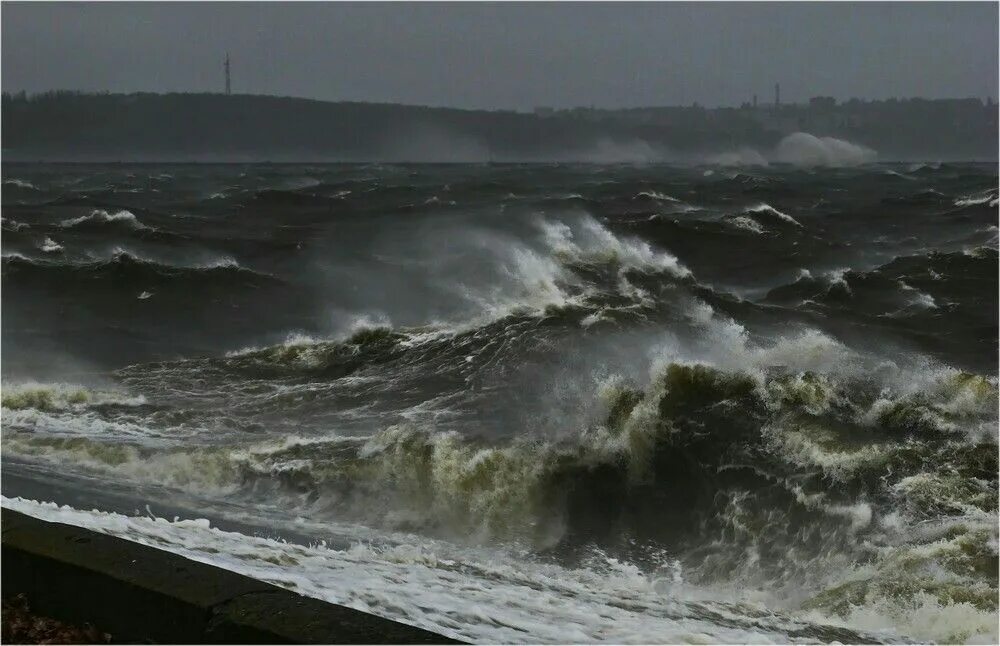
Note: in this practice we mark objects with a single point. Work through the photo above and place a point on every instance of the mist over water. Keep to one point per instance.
(804, 149)
(750, 399)
(798, 149)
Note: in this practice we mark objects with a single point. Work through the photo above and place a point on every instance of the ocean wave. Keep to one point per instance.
(767, 211)
(13, 225)
(895, 173)
(904, 281)
(303, 355)
(101, 217)
(987, 197)
(746, 223)
(52, 397)
(124, 265)
(789, 420)
(588, 382)
(20, 183)
(50, 246)
(919, 298)
(587, 241)
(646, 470)
(656, 196)
(840, 456)
(533, 266)
(473, 595)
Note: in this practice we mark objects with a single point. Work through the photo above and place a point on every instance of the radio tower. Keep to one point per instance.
(229, 89)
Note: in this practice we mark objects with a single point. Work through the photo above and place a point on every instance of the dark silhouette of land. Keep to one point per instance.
(71, 126)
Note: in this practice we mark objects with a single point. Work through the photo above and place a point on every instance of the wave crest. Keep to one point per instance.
(101, 217)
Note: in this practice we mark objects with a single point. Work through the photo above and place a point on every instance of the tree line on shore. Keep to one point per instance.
(65, 125)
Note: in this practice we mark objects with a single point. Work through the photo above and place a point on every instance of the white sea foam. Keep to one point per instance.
(474, 595)
(747, 223)
(223, 262)
(62, 395)
(344, 331)
(767, 209)
(20, 183)
(650, 599)
(987, 197)
(204, 262)
(586, 240)
(50, 246)
(838, 278)
(917, 297)
(13, 255)
(656, 195)
(486, 275)
(126, 217)
(925, 615)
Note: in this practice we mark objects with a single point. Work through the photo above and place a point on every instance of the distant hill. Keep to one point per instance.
(69, 126)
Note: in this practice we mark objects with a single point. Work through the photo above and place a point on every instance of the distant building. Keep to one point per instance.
(544, 111)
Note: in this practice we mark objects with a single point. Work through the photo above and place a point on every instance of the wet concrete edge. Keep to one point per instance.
(143, 594)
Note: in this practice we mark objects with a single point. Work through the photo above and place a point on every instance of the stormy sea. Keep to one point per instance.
(524, 403)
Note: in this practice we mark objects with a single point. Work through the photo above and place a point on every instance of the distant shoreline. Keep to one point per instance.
(218, 128)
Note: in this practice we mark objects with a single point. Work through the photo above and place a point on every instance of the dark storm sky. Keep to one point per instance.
(486, 55)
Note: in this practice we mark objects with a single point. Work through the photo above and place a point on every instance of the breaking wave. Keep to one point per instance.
(987, 197)
(769, 212)
(13, 225)
(20, 183)
(769, 417)
(50, 246)
(100, 217)
(718, 448)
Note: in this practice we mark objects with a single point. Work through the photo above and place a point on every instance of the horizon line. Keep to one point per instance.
(988, 102)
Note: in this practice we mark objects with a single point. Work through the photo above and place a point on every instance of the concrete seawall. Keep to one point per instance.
(142, 594)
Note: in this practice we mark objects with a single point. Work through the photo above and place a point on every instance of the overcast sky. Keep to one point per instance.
(486, 55)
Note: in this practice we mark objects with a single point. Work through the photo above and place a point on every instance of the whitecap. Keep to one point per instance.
(99, 215)
(746, 223)
(20, 183)
(770, 210)
(50, 246)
